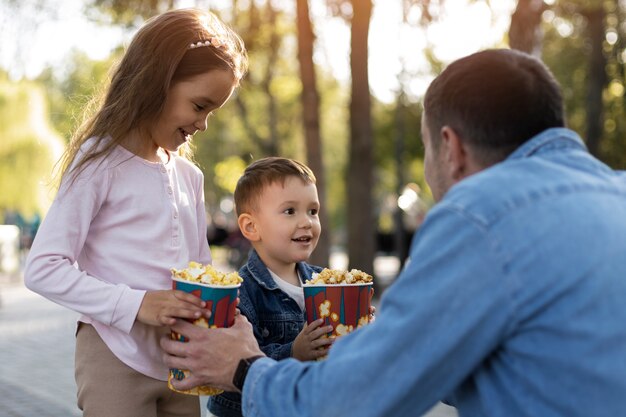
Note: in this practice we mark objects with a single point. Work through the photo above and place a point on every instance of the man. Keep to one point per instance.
(513, 302)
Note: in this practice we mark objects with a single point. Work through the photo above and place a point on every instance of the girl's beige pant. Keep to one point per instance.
(109, 388)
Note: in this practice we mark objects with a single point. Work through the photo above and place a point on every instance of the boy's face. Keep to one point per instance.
(286, 221)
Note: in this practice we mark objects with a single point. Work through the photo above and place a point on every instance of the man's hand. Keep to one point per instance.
(311, 343)
(161, 308)
(211, 355)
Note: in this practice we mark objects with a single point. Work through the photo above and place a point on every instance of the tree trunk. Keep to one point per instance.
(361, 222)
(311, 121)
(596, 79)
(525, 31)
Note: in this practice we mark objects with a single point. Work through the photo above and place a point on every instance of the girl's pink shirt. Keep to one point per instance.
(114, 234)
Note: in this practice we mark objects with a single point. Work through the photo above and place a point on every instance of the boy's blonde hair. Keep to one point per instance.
(263, 173)
(158, 57)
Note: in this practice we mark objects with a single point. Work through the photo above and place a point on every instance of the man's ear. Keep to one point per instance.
(248, 227)
(455, 153)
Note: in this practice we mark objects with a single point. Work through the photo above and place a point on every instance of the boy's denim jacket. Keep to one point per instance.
(276, 320)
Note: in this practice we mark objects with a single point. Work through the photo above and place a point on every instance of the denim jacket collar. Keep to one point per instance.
(554, 137)
(261, 275)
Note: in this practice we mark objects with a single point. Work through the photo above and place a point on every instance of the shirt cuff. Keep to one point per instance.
(127, 308)
(256, 371)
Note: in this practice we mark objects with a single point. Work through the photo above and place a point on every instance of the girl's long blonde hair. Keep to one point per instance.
(158, 56)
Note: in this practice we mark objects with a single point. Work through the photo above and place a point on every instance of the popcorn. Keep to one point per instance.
(206, 274)
(219, 291)
(336, 276)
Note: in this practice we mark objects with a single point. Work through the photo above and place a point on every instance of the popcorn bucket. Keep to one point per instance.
(344, 306)
(221, 301)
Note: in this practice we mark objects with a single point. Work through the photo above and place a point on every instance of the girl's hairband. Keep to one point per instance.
(214, 42)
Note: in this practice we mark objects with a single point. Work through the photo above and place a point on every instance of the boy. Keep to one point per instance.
(277, 207)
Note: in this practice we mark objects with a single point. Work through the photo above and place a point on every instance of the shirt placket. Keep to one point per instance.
(174, 214)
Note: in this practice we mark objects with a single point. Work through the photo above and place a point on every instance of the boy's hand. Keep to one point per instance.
(161, 308)
(372, 314)
(311, 343)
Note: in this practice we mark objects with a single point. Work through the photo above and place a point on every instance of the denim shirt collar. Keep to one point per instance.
(260, 273)
(548, 139)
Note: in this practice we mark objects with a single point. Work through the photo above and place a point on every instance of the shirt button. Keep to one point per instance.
(175, 215)
(169, 190)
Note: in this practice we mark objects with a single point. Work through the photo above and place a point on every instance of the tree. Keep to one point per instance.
(361, 221)
(28, 149)
(593, 30)
(596, 80)
(311, 124)
(525, 31)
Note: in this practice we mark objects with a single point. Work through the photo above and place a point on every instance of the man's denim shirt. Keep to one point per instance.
(513, 304)
(276, 320)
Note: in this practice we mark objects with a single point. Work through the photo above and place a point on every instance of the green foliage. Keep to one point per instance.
(565, 51)
(126, 12)
(28, 149)
(399, 152)
(71, 94)
(22, 173)
(416, 168)
(227, 173)
(562, 55)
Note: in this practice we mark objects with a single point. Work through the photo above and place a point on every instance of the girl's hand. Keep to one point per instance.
(162, 308)
(312, 342)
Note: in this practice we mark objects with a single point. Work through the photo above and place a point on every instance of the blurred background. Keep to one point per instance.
(336, 84)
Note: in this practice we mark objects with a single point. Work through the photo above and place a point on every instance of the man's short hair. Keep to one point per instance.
(263, 173)
(495, 100)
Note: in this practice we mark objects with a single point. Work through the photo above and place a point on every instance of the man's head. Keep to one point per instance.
(277, 206)
(492, 102)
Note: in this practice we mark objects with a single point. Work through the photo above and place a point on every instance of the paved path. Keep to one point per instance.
(37, 357)
(37, 345)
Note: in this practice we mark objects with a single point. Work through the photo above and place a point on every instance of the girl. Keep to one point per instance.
(130, 207)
